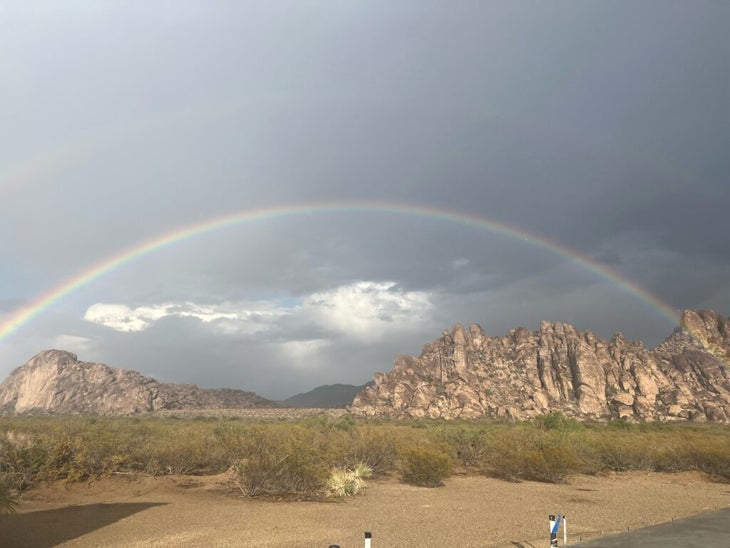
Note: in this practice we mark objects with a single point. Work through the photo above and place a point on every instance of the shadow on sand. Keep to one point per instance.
(46, 528)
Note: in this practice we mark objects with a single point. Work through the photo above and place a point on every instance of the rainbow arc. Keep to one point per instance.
(24, 315)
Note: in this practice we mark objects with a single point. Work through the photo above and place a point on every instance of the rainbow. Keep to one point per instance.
(24, 315)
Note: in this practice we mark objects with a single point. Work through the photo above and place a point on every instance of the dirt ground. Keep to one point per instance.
(467, 512)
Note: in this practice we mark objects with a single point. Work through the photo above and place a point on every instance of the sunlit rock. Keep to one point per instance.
(467, 374)
(55, 381)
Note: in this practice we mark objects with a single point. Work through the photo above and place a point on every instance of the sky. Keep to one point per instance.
(274, 196)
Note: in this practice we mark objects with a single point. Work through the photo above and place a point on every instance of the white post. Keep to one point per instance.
(553, 538)
(565, 531)
(368, 537)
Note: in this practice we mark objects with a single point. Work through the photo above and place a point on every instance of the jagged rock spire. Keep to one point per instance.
(466, 373)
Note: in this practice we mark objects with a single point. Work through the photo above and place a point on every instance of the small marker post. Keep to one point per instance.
(368, 539)
(551, 520)
(554, 528)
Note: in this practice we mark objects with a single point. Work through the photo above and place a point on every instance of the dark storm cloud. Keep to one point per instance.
(600, 126)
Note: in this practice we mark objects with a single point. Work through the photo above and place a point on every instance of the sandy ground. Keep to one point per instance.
(467, 512)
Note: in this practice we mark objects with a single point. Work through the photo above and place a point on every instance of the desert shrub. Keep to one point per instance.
(182, 454)
(375, 446)
(21, 462)
(345, 483)
(297, 456)
(162, 447)
(712, 456)
(526, 453)
(548, 464)
(75, 449)
(63, 461)
(555, 421)
(619, 424)
(84, 450)
(342, 483)
(468, 443)
(670, 454)
(89, 450)
(623, 453)
(426, 467)
(278, 462)
(7, 498)
(346, 422)
(230, 439)
(504, 457)
(362, 470)
(653, 448)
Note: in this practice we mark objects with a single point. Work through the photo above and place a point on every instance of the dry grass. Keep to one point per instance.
(295, 457)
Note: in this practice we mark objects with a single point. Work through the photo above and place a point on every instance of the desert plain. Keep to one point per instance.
(468, 511)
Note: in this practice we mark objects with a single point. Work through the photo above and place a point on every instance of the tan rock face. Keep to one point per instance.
(466, 373)
(711, 330)
(55, 381)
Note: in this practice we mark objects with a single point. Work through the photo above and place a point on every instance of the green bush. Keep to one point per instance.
(555, 421)
(7, 499)
(426, 467)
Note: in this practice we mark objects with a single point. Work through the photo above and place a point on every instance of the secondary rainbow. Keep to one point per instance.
(22, 316)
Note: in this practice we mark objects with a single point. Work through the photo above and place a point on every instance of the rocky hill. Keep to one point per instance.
(327, 396)
(469, 374)
(55, 381)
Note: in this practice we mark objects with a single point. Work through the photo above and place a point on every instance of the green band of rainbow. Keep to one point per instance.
(22, 316)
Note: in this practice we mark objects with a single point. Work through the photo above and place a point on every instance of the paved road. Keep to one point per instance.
(708, 530)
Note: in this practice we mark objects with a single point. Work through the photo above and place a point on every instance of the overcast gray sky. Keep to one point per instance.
(602, 127)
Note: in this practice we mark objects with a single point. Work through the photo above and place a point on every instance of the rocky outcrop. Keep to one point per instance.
(468, 374)
(55, 381)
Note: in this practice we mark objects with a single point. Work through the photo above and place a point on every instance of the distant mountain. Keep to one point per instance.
(56, 382)
(331, 395)
(468, 374)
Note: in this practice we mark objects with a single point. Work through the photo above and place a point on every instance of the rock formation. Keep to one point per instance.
(55, 381)
(469, 374)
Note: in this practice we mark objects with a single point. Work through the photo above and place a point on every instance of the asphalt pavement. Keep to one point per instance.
(708, 530)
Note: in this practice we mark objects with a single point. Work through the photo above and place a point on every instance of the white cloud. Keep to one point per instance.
(241, 318)
(362, 310)
(366, 309)
(122, 318)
